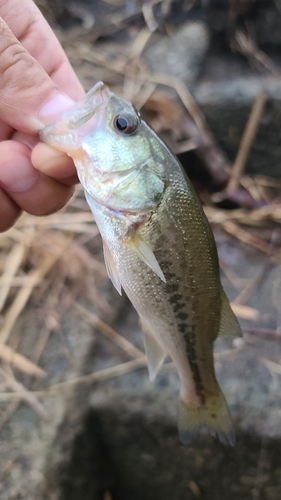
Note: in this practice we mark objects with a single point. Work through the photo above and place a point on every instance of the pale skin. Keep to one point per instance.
(37, 84)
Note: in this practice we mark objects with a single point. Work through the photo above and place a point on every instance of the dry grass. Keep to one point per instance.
(45, 266)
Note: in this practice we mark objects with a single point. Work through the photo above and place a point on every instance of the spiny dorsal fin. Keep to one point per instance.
(229, 326)
(154, 352)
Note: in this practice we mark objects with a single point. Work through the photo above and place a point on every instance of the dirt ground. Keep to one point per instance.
(79, 417)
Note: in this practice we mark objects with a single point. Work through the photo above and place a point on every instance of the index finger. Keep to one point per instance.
(32, 30)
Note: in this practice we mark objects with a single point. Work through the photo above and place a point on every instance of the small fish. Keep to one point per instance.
(158, 246)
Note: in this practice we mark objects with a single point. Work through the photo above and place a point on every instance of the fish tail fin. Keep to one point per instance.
(212, 416)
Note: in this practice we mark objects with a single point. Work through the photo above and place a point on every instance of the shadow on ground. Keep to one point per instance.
(130, 459)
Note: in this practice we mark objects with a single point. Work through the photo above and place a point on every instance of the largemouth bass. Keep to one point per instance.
(158, 246)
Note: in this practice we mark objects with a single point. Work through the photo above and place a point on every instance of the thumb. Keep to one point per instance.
(29, 98)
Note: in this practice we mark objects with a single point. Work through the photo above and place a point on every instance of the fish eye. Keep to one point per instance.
(126, 123)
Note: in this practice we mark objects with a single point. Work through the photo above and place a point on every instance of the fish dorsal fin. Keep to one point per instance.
(111, 268)
(146, 254)
(154, 352)
(229, 326)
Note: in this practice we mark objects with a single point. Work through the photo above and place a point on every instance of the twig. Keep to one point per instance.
(245, 312)
(10, 356)
(183, 93)
(25, 395)
(247, 217)
(23, 295)
(51, 325)
(247, 46)
(110, 333)
(172, 115)
(140, 42)
(147, 11)
(272, 366)
(246, 142)
(246, 237)
(61, 219)
(9, 412)
(12, 264)
(232, 277)
(195, 489)
(248, 290)
(263, 332)
(114, 371)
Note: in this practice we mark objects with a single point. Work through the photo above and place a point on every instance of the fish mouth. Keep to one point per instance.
(97, 98)
(92, 102)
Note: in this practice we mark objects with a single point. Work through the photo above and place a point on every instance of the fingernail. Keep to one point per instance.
(52, 109)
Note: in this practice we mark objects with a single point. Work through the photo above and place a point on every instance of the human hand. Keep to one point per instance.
(37, 84)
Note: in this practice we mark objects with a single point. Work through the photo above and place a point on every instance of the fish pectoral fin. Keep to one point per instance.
(111, 268)
(229, 326)
(154, 352)
(146, 254)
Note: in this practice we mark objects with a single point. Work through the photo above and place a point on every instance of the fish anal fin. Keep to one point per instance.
(146, 254)
(111, 268)
(229, 326)
(154, 352)
(213, 417)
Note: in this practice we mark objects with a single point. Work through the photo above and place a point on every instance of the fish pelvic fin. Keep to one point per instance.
(213, 416)
(154, 352)
(111, 268)
(146, 254)
(229, 326)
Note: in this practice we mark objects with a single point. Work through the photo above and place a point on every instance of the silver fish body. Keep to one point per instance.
(158, 246)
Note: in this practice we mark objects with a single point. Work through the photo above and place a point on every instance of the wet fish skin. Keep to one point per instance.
(158, 246)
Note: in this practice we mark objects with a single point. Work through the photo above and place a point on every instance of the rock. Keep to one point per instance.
(261, 18)
(227, 104)
(26, 439)
(180, 55)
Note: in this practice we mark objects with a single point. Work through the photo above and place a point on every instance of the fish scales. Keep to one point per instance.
(158, 246)
(180, 301)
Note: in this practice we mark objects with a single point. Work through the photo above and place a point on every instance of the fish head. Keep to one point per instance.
(68, 133)
(117, 156)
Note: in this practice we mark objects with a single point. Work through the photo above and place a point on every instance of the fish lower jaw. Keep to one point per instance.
(138, 214)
